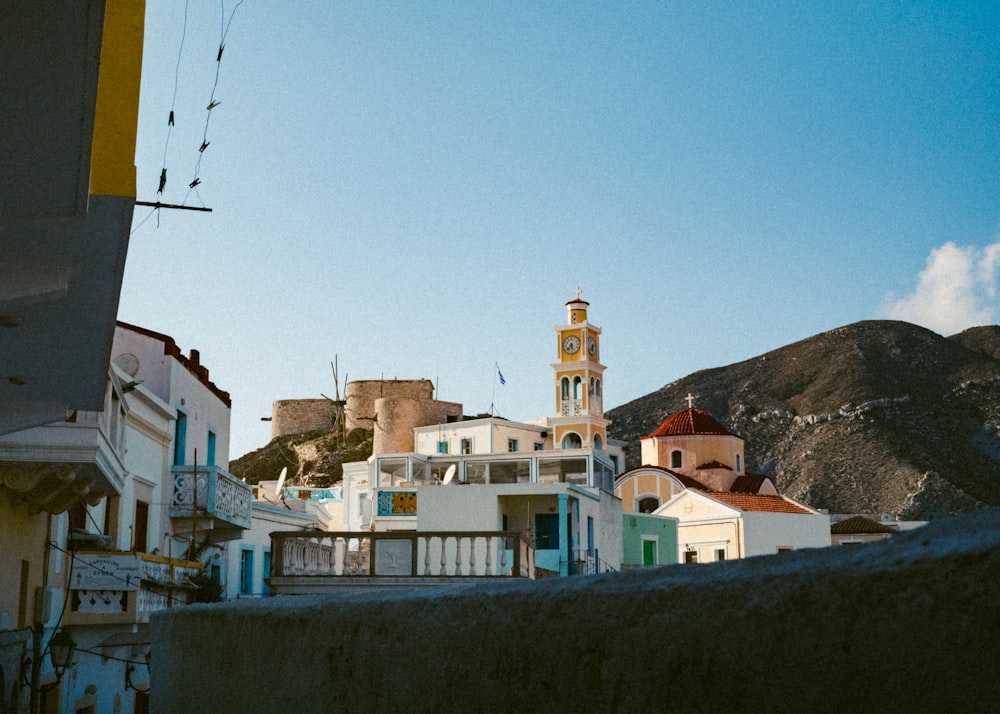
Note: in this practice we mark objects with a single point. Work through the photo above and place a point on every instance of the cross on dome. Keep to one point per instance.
(690, 400)
(577, 292)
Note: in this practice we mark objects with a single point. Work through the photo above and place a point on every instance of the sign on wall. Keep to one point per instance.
(105, 572)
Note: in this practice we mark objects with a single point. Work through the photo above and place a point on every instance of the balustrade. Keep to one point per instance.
(401, 554)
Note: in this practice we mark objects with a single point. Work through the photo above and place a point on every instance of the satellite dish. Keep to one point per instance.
(281, 482)
(128, 363)
(449, 475)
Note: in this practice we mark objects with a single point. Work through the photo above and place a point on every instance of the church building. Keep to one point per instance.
(694, 470)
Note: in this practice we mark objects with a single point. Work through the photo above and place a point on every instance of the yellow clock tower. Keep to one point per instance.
(579, 376)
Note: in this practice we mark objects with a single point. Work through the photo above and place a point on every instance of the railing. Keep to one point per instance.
(402, 554)
(588, 562)
(220, 494)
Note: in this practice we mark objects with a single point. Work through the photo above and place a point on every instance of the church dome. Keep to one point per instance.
(691, 421)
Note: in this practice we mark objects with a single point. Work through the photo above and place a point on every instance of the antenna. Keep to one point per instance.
(448, 475)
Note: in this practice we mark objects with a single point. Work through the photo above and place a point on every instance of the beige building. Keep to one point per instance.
(694, 470)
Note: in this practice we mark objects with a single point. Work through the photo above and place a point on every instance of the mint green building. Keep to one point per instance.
(648, 540)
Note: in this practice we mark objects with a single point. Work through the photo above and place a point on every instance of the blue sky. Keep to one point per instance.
(418, 187)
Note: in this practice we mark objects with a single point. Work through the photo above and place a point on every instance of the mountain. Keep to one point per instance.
(877, 416)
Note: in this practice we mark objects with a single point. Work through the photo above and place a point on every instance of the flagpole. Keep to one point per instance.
(493, 395)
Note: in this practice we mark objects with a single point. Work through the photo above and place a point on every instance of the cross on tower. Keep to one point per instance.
(690, 400)
(577, 292)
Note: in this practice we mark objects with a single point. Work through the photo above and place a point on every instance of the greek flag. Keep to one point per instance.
(502, 380)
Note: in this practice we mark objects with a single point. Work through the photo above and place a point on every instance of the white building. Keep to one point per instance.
(112, 560)
(551, 481)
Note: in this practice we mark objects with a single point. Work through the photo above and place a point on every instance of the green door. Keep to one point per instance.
(649, 552)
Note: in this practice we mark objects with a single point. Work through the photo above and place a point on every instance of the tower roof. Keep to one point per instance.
(691, 421)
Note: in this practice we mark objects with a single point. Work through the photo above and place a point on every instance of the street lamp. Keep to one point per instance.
(61, 649)
(129, 668)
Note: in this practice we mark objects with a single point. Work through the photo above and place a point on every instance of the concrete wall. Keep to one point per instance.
(295, 416)
(766, 532)
(898, 626)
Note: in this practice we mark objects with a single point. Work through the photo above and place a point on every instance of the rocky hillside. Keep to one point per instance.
(312, 458)
(878, 416)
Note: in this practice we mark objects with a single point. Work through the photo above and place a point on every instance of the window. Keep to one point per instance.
(572, 441)
(511, 444)
(565, 387)
(675, 459)
(539, 446)
(246, 571)
(648, 504)
(140, 530)
(598, 443)
(111, 517)
(720, 553)
(577, 387)
(265, 572)
(739, 464)
(784, 549)
(466, 446)
(690, 556)
(78, 516)
(591, 386)
(180, 437)
(210, 457)
(442, 447)
(597, 388)
(590, 536)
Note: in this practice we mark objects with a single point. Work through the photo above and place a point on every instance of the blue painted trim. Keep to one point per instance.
(582, 491)
(563, 535)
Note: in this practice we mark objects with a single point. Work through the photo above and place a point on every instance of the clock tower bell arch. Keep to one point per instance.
(579, 381)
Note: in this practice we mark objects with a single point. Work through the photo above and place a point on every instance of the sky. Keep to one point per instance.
(416, 189)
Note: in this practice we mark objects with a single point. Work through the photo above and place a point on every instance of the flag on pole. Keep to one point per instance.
(502, 380)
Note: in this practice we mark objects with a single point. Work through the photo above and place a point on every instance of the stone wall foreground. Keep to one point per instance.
(908, 624)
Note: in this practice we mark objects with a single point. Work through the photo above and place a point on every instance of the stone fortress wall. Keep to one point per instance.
(389, 407)
(295, 416)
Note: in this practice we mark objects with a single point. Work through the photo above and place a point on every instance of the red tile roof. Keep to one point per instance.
(691, 421)
(860, 524)
(760, 503)
(713, 465)
(749, 483)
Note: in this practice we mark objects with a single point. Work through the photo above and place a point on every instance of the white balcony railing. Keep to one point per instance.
(401, 554)
(220, 495)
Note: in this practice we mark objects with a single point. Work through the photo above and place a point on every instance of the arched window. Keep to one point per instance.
(572, 441)
(591, 385)
(565, 387)
(675, 459)
(648, 504)
(598, 442)
(597, 388)
(577, 387)
(739, 465)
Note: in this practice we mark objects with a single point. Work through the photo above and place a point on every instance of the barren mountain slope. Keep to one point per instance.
(874, 416)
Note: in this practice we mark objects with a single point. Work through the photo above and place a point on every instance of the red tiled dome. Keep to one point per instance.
(691, 421)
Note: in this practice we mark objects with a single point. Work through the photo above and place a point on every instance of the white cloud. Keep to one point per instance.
(955, 291)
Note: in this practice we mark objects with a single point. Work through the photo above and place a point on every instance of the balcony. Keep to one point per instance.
(211, 500)
(316, 562)
(56, 465)
(123, 587)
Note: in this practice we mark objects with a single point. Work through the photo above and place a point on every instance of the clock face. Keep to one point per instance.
(591, 345)
(571, 344)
